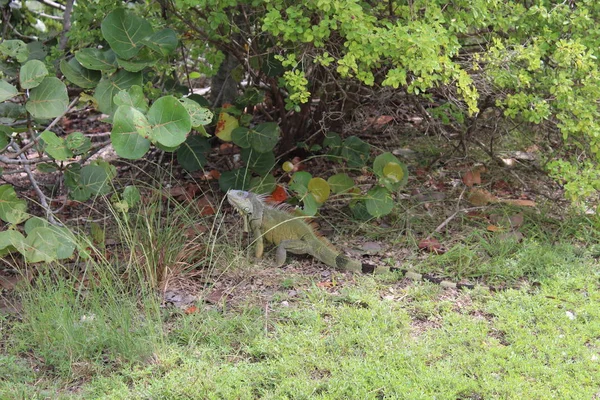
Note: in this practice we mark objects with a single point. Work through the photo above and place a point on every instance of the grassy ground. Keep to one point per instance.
(306, 336)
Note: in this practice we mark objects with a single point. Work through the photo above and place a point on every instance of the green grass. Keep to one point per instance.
(367, 337)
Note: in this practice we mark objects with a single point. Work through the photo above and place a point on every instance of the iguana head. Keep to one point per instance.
(241, 201)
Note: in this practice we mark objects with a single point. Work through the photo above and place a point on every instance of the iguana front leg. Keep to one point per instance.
(294, 246)
(258, 238)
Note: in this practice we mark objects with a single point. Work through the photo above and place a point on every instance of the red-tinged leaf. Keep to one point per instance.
(279, 195)
(226, 148)
(225, 125)
(214, 173)
(205, 206)
(522, 203)
(431, 245)
(191, 310)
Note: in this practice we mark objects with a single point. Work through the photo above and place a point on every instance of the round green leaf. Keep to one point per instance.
(49, 99)
(34, 222)
(395, 172)
(299, 182)
(263, 184)
(124, 32)
(170, 121)
(191, 155)
(310, 205)
(163, 42)
(41, 244)
(260, 163)
(381, 161)
(77, 74)
(78, 143)
(359, 210)
(134, 97)
(264, 137)
(96, 178)
(32, 74)
(11, 238)
(7, 91)
(238, 179)
(111, 85)
(340, 183)
(97, 60)
(241, 137)
(16, 49)
(355, 152)
(379, 202)
(66, 242)
(46, 168)
(198, 114)
(135, 65)
(320, 189)
(55, 146)
(132, 196)
(12, 209)
(129, 133)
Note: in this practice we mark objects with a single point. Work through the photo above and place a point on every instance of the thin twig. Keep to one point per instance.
(38, 191)
(450, 218)
(54, 122)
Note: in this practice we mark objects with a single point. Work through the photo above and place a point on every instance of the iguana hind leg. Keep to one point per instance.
(293, 246)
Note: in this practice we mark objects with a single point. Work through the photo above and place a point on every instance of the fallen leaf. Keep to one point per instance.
(516, 236)
(371, 248)
(278, 195)
(215, 296)
(226, 148)
(516, 221)
(523, 203)
(205, 206)
(480, 197)
(191, 310)
(326, 284)
(225, 125)
(431, 245)
(494, 228)
(214, 173)
(378, 122)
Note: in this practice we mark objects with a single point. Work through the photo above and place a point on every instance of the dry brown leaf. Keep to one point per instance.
(518, 202)
(481, 197)
(216, 296)
(494, 228)
(431, 245)
(326, 284)
(516, 221)
(205, 206)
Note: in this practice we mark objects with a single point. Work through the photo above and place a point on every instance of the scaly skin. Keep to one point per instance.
(291, 233)
(288, 232)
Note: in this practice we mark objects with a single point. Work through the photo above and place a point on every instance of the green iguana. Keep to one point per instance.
(291, 233)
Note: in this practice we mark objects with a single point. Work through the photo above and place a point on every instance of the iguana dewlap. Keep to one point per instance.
(287, 231)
